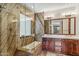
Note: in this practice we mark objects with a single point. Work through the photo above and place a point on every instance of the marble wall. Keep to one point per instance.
(39, 26)
(26, 40)
(0, 33)
(9, 27)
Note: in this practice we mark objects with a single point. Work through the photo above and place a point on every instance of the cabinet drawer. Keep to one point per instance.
(58, 49)
(57, 43)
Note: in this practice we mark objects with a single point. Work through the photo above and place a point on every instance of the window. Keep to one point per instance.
(25, 25)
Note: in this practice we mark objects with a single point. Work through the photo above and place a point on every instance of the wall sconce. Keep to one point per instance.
(69, 13)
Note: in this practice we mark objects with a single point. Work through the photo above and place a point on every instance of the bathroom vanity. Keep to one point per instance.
(66, 44)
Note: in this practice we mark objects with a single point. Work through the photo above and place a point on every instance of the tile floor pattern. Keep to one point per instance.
(44, 53)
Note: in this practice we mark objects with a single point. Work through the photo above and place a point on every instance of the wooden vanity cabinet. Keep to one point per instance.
(44, 40)
(65, 46)
(51, 45)
(74, 47)
(77, 47)
(58, 45)
(48, 44)
(70, 47)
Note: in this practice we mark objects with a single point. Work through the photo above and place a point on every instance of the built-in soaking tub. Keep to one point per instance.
(33, 48)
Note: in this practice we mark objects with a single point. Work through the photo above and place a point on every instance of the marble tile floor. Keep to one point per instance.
(47, 53)
(43, 53)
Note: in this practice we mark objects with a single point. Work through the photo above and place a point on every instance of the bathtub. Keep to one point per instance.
(33, 48)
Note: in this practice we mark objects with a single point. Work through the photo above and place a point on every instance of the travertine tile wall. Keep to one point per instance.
(39, 26)
(9, 28)
(0, 33)
(26, 40)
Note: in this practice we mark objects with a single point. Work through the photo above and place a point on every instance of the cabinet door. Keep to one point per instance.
(77, 47)
(74, 49)
(44, 43)
(58, 45)
(64, 46)
(48, 44)
(51, 46)
(69, 47)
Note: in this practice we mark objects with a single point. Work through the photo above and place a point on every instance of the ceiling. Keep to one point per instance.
(52, 9)
(46, 7)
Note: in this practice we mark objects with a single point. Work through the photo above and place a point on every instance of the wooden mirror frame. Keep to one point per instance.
(69, 23)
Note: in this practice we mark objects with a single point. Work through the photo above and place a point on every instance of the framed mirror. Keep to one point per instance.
(65, 26)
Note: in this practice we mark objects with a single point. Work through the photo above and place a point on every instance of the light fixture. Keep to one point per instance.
(74, 13)
(49, 16)
(69, 13)
(32, 7)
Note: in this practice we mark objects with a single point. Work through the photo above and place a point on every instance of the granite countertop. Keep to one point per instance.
(61, 36)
